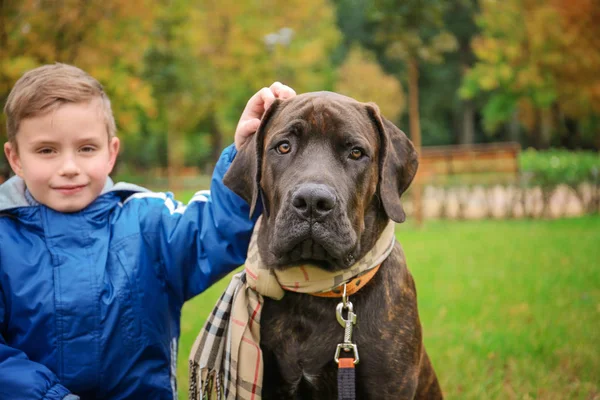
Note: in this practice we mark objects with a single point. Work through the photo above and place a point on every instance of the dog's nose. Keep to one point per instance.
(313, 200)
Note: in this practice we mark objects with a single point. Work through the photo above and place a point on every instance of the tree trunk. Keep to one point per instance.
(3, 32)
(172, 168)
(468, 126)
(415, 131)
(413, 94)
(514, 127)
(216, 139)
(175, 152)
(174, 159)
(545, 128)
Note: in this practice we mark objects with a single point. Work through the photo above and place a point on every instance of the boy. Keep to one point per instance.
(93, 275)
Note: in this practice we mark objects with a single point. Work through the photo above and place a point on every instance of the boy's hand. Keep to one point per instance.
(256, 107)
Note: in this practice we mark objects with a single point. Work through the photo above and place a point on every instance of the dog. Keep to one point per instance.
(329, 172)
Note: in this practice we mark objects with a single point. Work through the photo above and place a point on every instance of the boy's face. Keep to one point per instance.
(65, 156)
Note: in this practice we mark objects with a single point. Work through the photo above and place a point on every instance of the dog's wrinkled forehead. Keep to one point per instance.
(324, 112)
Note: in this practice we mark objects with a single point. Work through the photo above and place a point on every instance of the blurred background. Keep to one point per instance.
(502, 98)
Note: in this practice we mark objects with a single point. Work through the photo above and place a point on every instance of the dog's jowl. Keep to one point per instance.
(330, 172)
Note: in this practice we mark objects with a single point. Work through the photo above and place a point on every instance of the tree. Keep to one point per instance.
(444, 117)
(513, 57)
(578, 78)
(538, 58)
(413, 31)
(460, 22)
(88, 34)
(242, 46)
(362, 78)
(175, 72)
(207, 58)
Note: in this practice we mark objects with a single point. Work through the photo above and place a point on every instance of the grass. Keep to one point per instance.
(510, 309)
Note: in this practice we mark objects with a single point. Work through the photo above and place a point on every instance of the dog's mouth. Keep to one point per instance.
(326, 245)
(308, 252)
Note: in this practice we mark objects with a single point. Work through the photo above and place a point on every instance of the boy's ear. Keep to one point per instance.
(14, 160)
(113, 150)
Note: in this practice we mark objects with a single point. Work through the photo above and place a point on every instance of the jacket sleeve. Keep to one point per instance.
(21, 378)
(206, 239)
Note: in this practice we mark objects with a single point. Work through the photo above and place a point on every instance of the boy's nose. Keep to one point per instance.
(69, 167)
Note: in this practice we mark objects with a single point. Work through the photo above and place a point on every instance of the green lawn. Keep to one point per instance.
(510, 309)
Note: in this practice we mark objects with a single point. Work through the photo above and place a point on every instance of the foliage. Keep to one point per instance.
(208, 58)
(413, 29)
(441, 110)
(413, 32)
(579, 88)
(554, 167)
(175, 73)
(174, 67)
(534, 55)
(179, 72)
(90, 34)
(240, 45)
(362, 78)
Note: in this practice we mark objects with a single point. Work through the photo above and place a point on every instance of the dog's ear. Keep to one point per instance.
(398, 163)
(244, 175)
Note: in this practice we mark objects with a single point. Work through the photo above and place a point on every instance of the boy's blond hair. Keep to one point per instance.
(46, 88)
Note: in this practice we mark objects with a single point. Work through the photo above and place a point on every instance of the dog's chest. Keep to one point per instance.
(302, 332)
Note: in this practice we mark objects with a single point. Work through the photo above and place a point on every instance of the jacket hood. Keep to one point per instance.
(13, 192)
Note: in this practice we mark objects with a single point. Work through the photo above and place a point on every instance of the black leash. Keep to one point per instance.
(346, 379)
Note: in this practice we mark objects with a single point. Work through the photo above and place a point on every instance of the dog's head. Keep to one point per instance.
(330, 172)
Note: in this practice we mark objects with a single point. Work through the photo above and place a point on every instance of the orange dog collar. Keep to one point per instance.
(352, 286)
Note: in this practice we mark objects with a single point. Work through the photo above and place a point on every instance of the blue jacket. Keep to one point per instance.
(90, 302)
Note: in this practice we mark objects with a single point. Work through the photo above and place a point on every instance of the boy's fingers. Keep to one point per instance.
(250, 126)
(256, 104)
(244, 130)
(265, 99)
(282, 91)
(276, 88)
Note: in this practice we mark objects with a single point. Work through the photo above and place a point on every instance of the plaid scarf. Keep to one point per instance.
(226, 361)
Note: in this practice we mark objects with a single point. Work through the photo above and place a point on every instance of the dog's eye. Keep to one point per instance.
(284, 148)
(356, 153)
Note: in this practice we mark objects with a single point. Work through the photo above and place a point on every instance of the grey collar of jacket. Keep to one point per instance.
(13, 192)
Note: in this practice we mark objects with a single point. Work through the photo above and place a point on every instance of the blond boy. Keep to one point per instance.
(93, 274)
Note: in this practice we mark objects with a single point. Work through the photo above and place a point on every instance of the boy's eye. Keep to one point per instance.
(45, 150)
(88, 149)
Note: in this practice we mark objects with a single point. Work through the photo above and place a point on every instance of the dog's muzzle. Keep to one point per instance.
(313, 201)
(313, 226)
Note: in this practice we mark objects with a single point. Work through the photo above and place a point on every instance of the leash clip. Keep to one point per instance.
(348, 325)
(345, 298)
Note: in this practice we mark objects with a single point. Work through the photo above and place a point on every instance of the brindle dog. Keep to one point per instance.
(330, 172)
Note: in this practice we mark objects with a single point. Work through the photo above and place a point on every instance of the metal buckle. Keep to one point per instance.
(346, 347)
(347, 324)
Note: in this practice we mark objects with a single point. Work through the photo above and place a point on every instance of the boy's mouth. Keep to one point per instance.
(69, 189)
